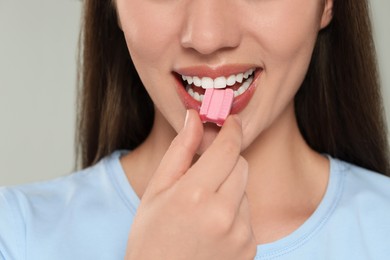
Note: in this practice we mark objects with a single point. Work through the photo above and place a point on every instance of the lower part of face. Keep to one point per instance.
(212, 39)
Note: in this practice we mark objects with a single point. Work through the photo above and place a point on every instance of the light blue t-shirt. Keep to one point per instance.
(88, 215)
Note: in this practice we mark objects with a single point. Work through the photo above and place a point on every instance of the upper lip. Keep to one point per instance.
(214, 72)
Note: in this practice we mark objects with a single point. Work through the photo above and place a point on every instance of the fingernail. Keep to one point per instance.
(186, 119)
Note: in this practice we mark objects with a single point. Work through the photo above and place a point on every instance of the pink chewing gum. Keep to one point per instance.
(216, 105)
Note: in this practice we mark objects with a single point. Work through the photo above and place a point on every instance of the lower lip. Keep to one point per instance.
(239, 103)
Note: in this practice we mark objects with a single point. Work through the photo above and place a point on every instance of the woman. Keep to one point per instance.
(265, 185)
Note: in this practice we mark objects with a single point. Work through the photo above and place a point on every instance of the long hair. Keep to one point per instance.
(338, 107)
(114, 110)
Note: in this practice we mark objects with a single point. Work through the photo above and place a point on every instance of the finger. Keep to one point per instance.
(233, 188)
(246, 230)
(179, 155)
(244, 210)
(217, 162)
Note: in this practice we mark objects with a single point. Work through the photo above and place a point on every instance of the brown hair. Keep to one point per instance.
(339, 107)
(114, 110)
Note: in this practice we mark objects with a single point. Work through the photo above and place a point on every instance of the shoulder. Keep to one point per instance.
(363, 185)
(358, 225)
(56, 189)
(48, 199)
(93, 183)
(101, 184)
(73, 206)
(25, 208)
(364, 197)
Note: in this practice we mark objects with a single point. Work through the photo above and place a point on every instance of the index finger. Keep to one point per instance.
(179, 156)
(218, 161)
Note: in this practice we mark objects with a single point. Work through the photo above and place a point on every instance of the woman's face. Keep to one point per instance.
(213, 42)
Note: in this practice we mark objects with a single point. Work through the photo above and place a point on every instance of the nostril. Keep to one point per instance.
(207, 43)
(208, 31)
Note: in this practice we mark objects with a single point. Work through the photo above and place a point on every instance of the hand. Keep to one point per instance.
(199, 211)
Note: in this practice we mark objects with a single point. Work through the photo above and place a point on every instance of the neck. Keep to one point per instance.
(287, 179)
(140, 164)
(280, 159)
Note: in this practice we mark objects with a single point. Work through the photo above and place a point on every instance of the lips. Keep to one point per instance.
(193, 82)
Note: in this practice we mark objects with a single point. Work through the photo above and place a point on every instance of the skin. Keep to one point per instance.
(211, 193)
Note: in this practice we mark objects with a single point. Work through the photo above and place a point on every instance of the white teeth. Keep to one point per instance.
(243, 88)
(190, 80)
(195, 95)
(219, 82)
(239, 91)
(239, 77)
(231, 80)
(207, 83)
(245, 78)
(248, 73)
(197, 81)
(191, 92)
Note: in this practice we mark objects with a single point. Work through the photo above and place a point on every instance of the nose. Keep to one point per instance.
(209, 26)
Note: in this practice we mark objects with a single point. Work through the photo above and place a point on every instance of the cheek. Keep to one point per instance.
(149, 28)
(286, 52)
(284, 28)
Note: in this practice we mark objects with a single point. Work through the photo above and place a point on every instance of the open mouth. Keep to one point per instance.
(239, 83)
(192, 87)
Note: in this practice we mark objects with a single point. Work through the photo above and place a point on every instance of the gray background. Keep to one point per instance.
(38, 53)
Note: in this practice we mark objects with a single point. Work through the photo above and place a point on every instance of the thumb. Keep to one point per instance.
(179, 155)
